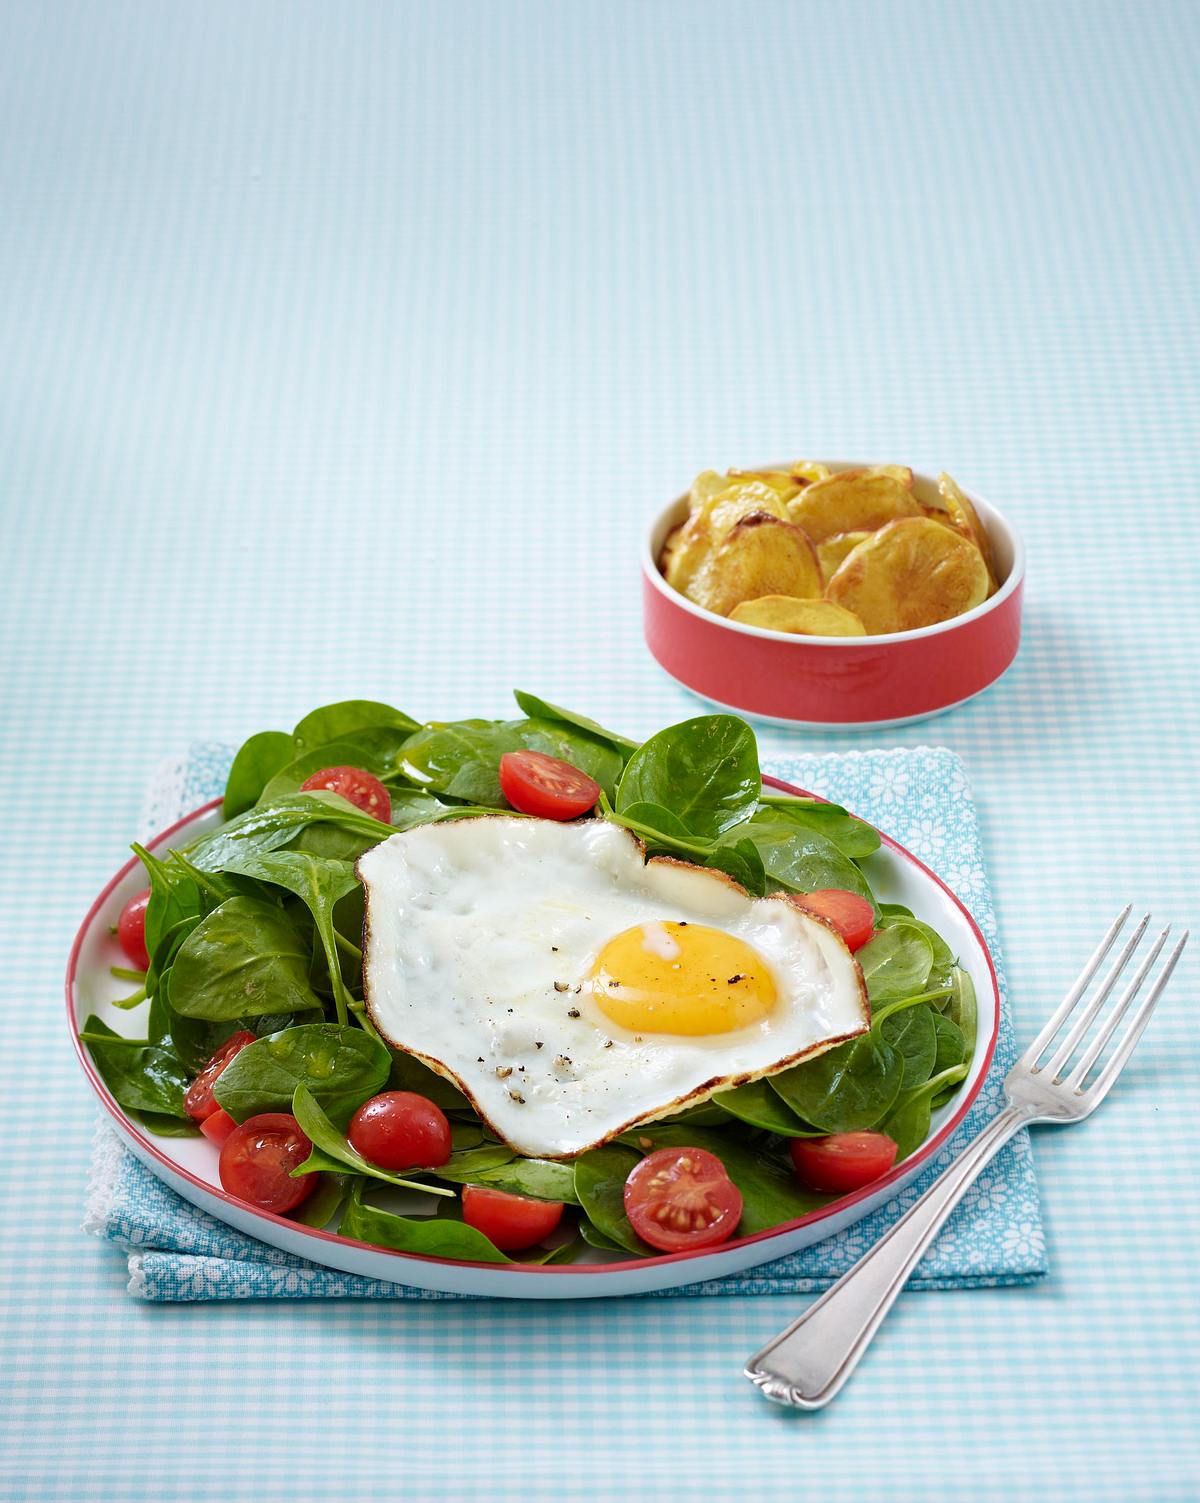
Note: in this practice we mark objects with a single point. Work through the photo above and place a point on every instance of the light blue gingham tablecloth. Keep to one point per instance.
(923, 799)
(348, 350)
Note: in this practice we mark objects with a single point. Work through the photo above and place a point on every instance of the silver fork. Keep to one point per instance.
(808, 1364)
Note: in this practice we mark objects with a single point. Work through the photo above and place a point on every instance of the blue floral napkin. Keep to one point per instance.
(922, 798)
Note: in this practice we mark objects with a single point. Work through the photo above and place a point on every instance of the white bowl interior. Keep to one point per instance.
(895, 878)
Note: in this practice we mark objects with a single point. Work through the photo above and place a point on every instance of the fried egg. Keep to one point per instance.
(571, 988)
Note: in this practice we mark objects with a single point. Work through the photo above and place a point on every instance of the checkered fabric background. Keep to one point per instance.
(347, 350)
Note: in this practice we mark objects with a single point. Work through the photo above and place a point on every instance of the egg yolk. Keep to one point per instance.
(681, 978)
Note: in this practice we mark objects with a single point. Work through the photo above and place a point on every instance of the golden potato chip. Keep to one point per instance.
(901, 472)
(762, 555)
(784, 485)
(912, 572)
(852, 501)
(705, 486)
(806, 618)
(966, 519)
(807, 471)
(712, 521)
(833, 550)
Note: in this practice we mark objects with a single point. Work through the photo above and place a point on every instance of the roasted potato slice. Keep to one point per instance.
(852, 501)
(912, 572)
(833, 550)
(761, 555)
(705, 486)
(806, 618)
(966, 519)
(808, 471)
(784, 485)
(712, 521)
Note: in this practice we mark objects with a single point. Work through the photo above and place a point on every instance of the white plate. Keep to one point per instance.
(189, 1165)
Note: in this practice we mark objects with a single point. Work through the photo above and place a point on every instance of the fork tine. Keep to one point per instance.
(1079, 1029)
(1030, 1057)
(1096, 1047)
(1103, 1082)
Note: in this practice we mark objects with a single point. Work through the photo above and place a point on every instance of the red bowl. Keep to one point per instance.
(813, 682)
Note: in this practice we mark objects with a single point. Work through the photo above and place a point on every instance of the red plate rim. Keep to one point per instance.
(595, 1270)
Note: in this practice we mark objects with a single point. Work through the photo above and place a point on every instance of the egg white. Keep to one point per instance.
(480, 938)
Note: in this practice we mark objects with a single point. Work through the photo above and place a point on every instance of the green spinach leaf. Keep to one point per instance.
(852, 836)
(850, 1087)
(461, 759)
(542, 709)
(411, 1074)
(341, 1066)
(896, 963)
(913, 1035)
(760, 1106)
(704, 770)
(321, 882)
(802, 859)
(600, 1176)
(257, 761)
(962, 1008)
(951, 1045)
(244, 959)
(337, 721)
(431, 1236)
(908, 1124)
(140, 1076)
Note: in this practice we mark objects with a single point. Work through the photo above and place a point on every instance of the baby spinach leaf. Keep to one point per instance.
(760, 1106)
(411, 1074)
(320, 882)
(431, 1236)
(802, 859)
(943, 956)
(245, 958)
(951, 1045)
(174, 897)
(341, 1066)
(542, 709)
(332, 1150)
(468, 1166)
(704, 1114)
(849, 1087)
(741, 861)
(770, 1191)
(908, 1124)
(461, 758)
(542, 1179)
(962, 1008)
(324, 1203)
(599, 759)
(269, 827)
(852, 836)
(896, 963)
(257, 761)
(894, 910)
(141, 1077)
(594, 1237)
(658, 823)
(600, 1176)
(913, 1035)
(704, 770)
(165, 1126)
(336, 721)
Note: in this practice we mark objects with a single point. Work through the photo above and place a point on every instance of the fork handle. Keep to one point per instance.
(807, 1364)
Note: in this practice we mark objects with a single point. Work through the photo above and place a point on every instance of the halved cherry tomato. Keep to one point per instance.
(401, 1130)
(131, 930)
(844, 1161)
(200, 1102)
(218, 1127)
(356, 786)
(257, 1162)
(513, 1222)
(537, 784)
(852, 916)
(678, 1199)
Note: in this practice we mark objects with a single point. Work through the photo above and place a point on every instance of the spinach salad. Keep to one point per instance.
(250, 982)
